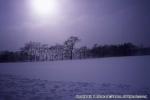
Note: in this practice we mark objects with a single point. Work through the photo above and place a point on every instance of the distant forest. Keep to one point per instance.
(35, 51)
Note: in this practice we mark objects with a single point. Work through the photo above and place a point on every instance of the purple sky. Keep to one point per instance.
(94, 21)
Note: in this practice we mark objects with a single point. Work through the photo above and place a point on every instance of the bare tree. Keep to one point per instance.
(83, 52)
(69, 46)
(31, 49)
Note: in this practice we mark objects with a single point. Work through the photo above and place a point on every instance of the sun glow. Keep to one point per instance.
(45, 7)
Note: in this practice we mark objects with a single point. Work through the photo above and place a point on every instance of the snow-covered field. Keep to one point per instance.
(19, 88)
(62, 80)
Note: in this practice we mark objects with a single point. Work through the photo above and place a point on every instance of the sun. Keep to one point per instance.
(44, 7)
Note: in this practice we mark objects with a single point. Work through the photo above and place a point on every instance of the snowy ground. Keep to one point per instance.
(19, 88)
(62, 80)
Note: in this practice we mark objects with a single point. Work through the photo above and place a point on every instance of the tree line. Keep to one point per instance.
(35, 51)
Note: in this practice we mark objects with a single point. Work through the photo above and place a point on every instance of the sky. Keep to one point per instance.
(93, 21)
